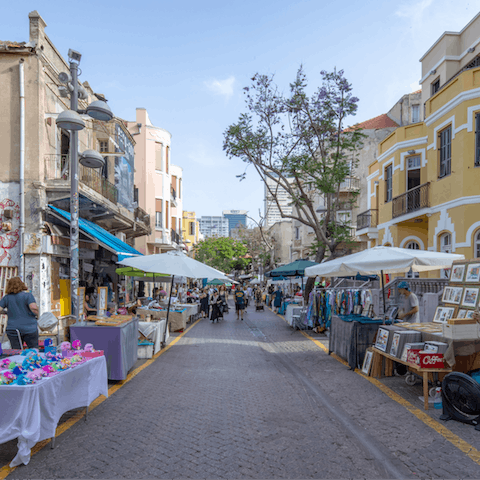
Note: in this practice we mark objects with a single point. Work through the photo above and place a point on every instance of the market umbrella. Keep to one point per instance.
(294, 269)
(216, 281)
(174, 263)
(376, 260)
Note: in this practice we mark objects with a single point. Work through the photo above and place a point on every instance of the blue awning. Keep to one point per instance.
(100, 235)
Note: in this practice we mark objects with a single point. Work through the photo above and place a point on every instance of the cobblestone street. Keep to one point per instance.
(251, 399)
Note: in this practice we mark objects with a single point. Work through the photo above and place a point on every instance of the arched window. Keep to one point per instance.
(446, 243)
(477, 245)
(412, 245)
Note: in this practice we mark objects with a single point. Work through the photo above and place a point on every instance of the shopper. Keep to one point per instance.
(239, 302)
(277, 299)
(22, 311)
(409, 310)
(204, 303)
(216, 303)
(224, 297)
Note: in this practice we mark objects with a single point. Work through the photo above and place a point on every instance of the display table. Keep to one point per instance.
(31, 412)
(177, 319)
(377, 370)
(155, 331)
(191, 308)
(349, 339)
(119, 344)
(289, 311)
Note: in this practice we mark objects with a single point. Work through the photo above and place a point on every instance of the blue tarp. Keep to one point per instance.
(104, 238)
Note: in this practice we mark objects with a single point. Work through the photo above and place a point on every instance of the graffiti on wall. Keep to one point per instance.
(9, 233)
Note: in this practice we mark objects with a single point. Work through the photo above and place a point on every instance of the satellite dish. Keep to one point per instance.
(461, 399)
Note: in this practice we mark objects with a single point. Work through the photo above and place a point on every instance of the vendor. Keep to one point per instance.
(22, 311)
(87, 307)
(409, 310)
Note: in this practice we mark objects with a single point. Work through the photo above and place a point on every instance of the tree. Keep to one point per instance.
(301, 144)
(223, 253)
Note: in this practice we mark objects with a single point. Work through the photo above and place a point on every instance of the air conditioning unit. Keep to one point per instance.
(122, 236)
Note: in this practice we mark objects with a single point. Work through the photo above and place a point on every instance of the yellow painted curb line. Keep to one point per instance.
(6, 470)
(455, 440)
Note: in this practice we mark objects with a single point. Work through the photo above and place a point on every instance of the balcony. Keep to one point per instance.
(368, 219)
(411, 201)
(175, 237)
(350, 184)
(57, 168)
(142, 216)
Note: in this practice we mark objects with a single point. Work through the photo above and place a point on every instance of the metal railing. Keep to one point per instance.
(175, 236)
(350, 184)
(368, 219)
(57, 168)
(415, 199)
(418, 286)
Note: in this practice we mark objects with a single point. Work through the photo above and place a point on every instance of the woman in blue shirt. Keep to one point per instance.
(22, 312)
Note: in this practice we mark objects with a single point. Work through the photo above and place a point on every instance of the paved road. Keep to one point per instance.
(250, 400)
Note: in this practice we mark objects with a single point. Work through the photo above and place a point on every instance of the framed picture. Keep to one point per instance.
(452, 295)
(392, 312)
(470, 297)
(382, 339)
(367, 362)
(457, 273)
(469, 314)
(462, 313)
(443, 314)
(395, 342)
(473, 273)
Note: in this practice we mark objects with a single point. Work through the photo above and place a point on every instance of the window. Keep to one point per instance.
(446, 243)
(158, 220)
(477, 245)
(477, 140)
(388, 183)
(103, 146)
(158, 156)
(413, 172)
(343, 218)
(191, 230)
(297, 233)
(435, 87)
(415, 113)
(413, 246)
(445, 137)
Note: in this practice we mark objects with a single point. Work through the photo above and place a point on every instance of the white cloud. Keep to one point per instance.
(223, 88)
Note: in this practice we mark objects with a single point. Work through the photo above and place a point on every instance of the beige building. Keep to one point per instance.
(159, 184)
(34, 235)
(281, 235)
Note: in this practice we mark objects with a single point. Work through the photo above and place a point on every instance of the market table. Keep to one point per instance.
(119, 343)
(350, 336)
(31, 412)
(156, 332)
(177, 319)
(378, 356)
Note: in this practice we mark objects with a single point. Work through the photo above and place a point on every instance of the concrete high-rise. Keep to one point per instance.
(235, 218)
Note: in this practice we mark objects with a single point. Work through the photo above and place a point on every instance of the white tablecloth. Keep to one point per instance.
(31, 412)
(154, 331)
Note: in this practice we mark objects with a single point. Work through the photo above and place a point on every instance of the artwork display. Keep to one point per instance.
(462, 313)
(470, 296)
(473, 273)
(367, 362)
(469, 314)
(443, 314)
(382, 339)
(457, 273)
(452, 295)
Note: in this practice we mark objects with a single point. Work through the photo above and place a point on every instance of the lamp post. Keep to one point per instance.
(71, 120)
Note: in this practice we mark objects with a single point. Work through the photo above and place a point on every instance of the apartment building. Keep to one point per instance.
(214, 226)
(34, 234)
(425, 179)
(272, 212)
(159, 190)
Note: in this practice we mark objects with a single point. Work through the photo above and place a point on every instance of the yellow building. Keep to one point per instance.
(190, 230)
(423, 188)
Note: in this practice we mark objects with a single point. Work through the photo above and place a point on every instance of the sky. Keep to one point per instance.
(187, 62)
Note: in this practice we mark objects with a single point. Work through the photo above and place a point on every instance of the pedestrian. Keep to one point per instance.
(216, 303)
(278, 298)
(409, 310)
(249, 294)
(223, 296)
(204, 303)
(22, 311)
(239, 302)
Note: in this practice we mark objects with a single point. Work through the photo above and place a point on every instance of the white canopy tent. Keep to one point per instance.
(376, 260)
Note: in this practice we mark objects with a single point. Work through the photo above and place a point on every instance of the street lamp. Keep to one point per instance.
(71, 120)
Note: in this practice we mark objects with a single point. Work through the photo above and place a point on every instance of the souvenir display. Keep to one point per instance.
(443, 314)
(452, 295)
(457, 273)
(473, 273)
(470, 297)
(400, 338)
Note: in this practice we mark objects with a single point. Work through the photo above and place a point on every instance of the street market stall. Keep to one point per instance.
(30, 412)
(119, 342)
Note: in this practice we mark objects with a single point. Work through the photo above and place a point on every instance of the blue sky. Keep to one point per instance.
(186, 62)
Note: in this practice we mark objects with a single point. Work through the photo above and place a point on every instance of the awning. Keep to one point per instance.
(99, 235)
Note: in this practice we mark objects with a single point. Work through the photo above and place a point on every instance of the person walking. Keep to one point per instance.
(216, 303)
(22, 311)
(204, 303)
(224, 297)
(277, 299)
(239, 302)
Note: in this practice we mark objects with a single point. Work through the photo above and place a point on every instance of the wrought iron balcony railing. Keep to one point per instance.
(175, 236)
(57, 168)
(368, 219)
(350, 184)
(411, 201)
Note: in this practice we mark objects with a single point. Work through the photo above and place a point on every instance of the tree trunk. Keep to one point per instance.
(311, 281)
